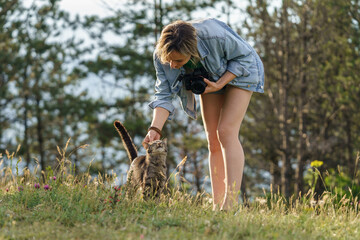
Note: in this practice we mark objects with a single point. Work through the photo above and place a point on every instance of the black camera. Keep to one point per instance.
(195, 81)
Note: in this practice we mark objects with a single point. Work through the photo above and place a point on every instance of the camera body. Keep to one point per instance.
(195, 81)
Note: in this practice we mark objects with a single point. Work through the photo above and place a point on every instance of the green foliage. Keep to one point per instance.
(64, 76)
(342, 184)
(309, 110)
(337, 183)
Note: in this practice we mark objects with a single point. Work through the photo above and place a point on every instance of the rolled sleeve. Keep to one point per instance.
(163, 94)
(164, 104)
(238, 54)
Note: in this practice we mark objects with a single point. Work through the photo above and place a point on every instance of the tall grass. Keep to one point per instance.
(57, 204)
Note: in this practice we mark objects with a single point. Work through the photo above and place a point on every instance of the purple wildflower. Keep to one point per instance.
(37, 185)
(54, 178)
(20, 188)
(8, 190)
(46, 187)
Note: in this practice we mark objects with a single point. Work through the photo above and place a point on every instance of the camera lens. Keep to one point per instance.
(198, 85)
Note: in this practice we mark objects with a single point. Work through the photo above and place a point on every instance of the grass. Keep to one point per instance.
(85, 207)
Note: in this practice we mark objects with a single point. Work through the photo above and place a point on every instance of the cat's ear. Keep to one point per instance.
(165, 140)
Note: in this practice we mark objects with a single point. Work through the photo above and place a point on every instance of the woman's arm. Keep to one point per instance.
(160, 116)
(163, 94)
(216, 86)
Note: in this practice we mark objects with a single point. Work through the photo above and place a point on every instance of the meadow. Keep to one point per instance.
(56, 204)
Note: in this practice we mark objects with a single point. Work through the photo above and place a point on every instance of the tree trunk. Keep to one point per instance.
(283, 93)
(76, 158)
(158, 18)
(40, 133)
(197, 173)
(275, 175)
(26, 130)
(182, 170)
(1, 133)
(349, 141)
(103, 157)
(300, 147)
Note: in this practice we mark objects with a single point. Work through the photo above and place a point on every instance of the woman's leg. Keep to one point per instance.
(232, 113)
(211, 105)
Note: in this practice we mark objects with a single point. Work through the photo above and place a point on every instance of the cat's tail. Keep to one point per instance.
(127, 141)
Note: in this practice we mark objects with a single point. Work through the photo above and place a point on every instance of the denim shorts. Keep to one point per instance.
(240, 82)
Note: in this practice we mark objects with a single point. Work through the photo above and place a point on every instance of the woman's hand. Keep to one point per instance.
(212, 86)
(219, 84)
(150, 136)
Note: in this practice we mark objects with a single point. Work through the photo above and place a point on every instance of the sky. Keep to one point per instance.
(87, 7)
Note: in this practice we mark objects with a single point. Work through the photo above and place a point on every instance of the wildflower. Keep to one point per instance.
(20, 188)
(46, 187)
(54, 178)
(142, 236)
(316, 163)
(7, 190)
(37, 185)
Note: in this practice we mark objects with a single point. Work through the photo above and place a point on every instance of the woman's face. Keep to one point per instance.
(177, 60)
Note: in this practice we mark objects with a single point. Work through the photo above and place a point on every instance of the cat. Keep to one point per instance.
(147, 172)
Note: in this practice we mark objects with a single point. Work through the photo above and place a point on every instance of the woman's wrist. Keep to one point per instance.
(155, 129)
(220, 84)
(225, 79)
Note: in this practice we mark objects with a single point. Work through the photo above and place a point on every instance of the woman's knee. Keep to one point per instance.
(227, 134)
(213, 142)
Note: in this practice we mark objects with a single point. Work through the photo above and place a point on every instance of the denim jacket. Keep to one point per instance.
(220, 50)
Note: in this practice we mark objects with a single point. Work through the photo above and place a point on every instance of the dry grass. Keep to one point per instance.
(88, 207)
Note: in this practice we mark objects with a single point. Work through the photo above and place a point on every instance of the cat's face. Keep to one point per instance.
(157, 146)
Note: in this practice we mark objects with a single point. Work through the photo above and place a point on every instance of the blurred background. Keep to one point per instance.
(68, 69)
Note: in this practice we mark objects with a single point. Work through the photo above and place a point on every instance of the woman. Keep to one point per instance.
(235, 70)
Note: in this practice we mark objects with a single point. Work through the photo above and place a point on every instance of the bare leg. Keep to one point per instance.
(211, 105)
(231, 115)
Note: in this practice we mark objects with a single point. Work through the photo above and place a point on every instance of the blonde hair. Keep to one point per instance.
(178, 36)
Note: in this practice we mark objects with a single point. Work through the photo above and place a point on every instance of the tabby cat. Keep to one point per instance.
(147, 172)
